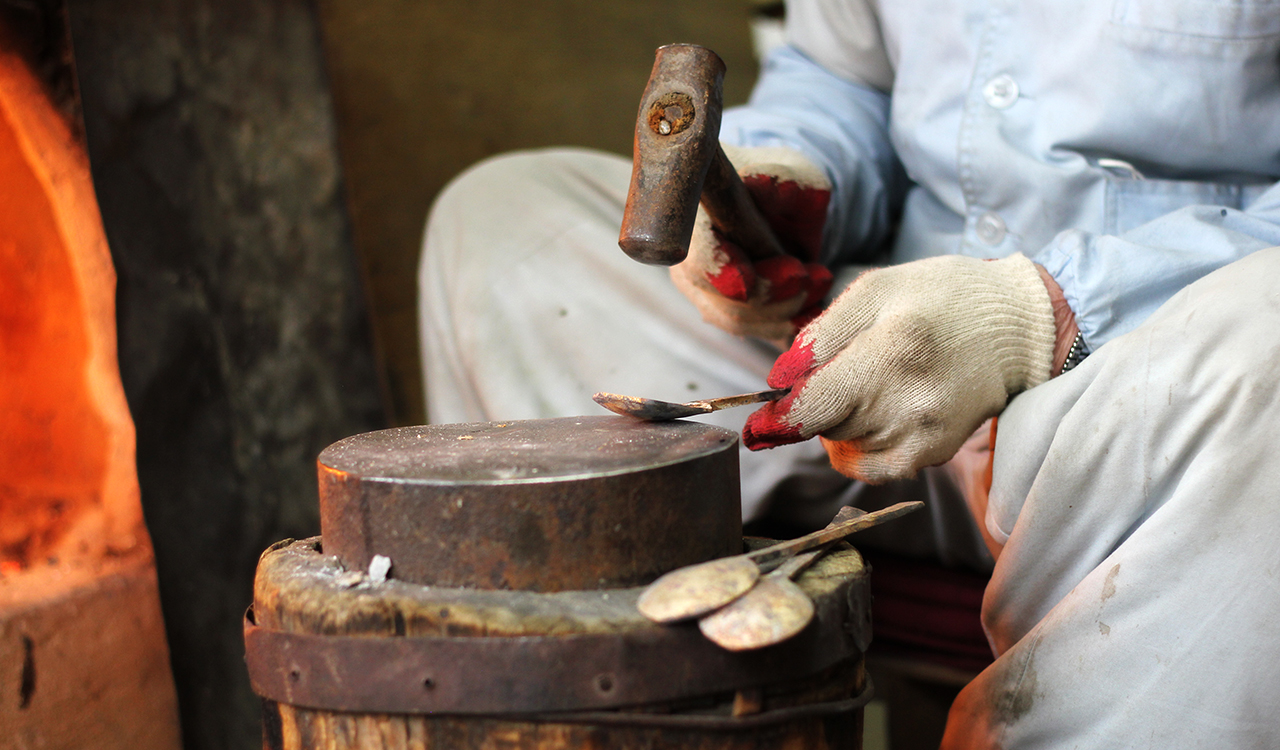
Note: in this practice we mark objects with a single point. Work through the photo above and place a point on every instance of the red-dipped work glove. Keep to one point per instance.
(773, 298)
(908, 362)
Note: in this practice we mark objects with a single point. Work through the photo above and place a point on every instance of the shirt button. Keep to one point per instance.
(990, 228)
(1001, 92)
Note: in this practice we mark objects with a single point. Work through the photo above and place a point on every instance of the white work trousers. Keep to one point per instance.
(528, 307)
(1136, 601)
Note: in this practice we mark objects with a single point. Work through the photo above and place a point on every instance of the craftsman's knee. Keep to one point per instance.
(511, 205)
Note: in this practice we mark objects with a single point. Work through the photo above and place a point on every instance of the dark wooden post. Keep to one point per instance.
(243, 343)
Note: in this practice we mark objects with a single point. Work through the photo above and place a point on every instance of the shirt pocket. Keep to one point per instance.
(1130, 203)
(1197, 26)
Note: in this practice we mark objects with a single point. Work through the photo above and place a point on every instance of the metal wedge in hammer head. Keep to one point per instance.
(678, 160)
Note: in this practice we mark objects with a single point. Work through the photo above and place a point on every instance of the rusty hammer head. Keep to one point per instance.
(677, 134)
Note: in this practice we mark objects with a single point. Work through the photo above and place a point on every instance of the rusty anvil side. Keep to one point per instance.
(678, 160)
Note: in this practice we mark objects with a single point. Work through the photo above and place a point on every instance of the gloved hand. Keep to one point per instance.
(773, 298)
(908, 362)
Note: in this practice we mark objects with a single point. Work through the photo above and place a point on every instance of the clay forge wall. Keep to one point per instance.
(83, 660)
(68, 489)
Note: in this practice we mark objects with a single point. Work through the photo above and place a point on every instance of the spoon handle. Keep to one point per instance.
(798, 564)
(770, 555)
(727, 402)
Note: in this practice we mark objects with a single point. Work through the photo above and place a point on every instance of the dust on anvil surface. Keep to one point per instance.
(525, 450)
(299, 588)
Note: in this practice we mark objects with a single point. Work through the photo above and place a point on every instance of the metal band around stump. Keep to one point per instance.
(521, 675)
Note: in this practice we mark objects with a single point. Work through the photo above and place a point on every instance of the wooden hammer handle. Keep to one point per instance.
(734, 213)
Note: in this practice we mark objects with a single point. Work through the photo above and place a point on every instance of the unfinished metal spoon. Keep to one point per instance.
(652, 410)
(774, 610)
(695, 590)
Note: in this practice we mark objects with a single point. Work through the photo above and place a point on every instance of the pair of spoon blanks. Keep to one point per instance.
(741, 608)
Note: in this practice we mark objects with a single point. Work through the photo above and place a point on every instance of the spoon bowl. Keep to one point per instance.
(773, 611)
(653, 410)
(695, 590)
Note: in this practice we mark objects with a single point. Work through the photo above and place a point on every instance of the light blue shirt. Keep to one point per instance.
(1128, 146)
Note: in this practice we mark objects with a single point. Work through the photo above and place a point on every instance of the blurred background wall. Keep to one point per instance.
(424, 89)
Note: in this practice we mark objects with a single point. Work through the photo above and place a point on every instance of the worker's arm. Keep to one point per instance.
(1114, 282)
(813, 149)
(839, 125)
(897, 372)
(826, 95)
(812, 146)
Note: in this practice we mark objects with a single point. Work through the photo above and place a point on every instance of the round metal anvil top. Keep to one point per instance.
(535, 505)
(522, 451)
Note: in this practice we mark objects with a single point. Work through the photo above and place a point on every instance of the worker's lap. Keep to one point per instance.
(1134, 600)
(524, 287)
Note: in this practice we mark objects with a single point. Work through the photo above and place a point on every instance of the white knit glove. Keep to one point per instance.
(770, 299)
(908, 362)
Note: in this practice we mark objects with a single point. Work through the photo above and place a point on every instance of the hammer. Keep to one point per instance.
(678, 160)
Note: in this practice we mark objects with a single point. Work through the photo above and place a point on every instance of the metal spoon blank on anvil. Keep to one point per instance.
(653, 410)
(696, 590)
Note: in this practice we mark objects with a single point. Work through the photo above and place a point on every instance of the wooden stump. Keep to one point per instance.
(301, 590)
